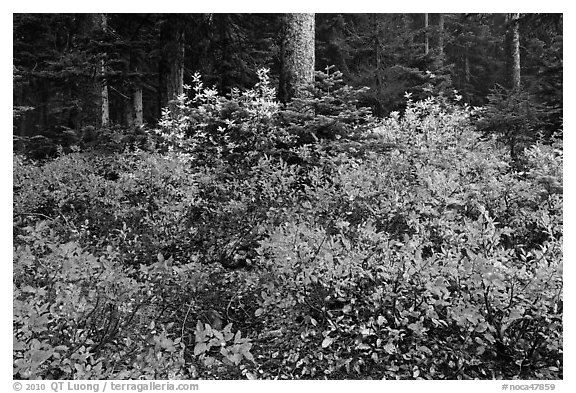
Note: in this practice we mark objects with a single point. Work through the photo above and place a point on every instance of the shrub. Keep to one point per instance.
(415, 250)
(211, 127)
(79, 315)
(423, 256)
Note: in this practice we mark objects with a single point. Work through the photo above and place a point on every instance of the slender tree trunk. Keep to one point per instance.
(378, 55)
(134, 105)
(513, 51)
(426, 38)
(466, 68)
(128, 101)
(138, 107)
(297, 55)
(441, 39)
(104, 99)
(513, 71)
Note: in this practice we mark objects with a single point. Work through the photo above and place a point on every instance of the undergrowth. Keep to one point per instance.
(255, 241)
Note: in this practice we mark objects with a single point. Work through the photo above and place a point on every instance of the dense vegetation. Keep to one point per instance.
(399, 217)
(246, 239)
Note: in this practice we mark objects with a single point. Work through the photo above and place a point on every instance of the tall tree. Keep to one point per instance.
(171, 70)
(513, 51)
(378, 59)
(426, 38)
(297, 55)
(102, 22)
(136, 110)
(441, 39)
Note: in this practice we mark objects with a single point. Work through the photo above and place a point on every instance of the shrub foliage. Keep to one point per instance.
(252, 240)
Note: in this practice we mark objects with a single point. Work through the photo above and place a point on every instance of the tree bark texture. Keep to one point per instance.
(297, 55)
(378, 58)
(129, 112)
(513, 51)
(105, 102)
(441, 38)
(426, 38)
(138, 107)
(172, 63)
(134, 108)
(94, 22)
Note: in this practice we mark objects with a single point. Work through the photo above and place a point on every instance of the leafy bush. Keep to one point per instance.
(75, 314)
(133, 201)
(409, 248)
(82, 316)
(423, 256)
(211, 127)
(115, 320)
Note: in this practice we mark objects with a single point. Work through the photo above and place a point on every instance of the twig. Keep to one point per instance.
(185, 319)
(319, 248)
(34, 214)
(229, 304)
(123, 95)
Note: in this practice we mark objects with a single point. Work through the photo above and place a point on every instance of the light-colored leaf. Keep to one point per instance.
(327, 342)
(17, 345)
(363, 346)
(389, 348)
(200, 348)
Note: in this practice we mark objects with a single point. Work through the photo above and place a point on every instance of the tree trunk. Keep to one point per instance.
(441, 39)
(134, 105)
(426, 40)
(172, 62)
(175, 82)
(297, 55)
(378, 58)
(138, 107)
(466, 68)
(513, 51)
(104, 100)
(129, 112)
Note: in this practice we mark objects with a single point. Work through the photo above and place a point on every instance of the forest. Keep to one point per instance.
(288, 196)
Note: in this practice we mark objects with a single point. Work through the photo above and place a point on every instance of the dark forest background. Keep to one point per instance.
(58, 59)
